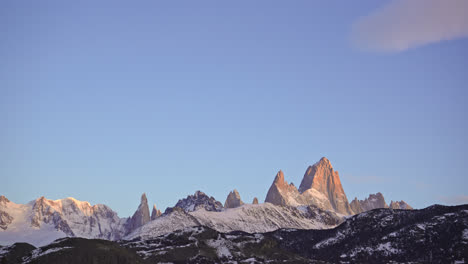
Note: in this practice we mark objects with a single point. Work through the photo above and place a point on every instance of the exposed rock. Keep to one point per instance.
(3, 200)
(197, 201)
(356, 206)
(233, 200)
(140, 217)
(322, 178)
(374, 201)
(437, 234)
(320, 186)
(156, 213)
(400, 205)
(282, 193)
(5, 218)
(255, 200)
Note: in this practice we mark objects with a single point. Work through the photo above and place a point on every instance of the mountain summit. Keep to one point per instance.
(321, 186)
(233, 200)
(141, 216)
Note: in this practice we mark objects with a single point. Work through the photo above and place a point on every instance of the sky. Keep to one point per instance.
(105, 100)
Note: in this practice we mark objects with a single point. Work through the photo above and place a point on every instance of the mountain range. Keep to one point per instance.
(309, 224)
(319, 203)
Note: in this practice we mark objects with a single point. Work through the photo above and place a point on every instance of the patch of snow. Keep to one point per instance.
(38, 252)
(465, 234)
(387, 249)
(221, 247)
(330, 241)
(421, 226)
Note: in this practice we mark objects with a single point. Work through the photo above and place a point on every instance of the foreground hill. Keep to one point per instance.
(437, 234)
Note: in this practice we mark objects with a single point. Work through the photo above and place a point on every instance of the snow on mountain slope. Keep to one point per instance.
(320, 186)
(41, 221)
(167, 223)
(20, 229)
(260, 218)
(248, 218)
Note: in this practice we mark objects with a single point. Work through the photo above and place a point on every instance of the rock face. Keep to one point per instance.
(255, 200)
(140, 217)
(400, 205)
(356, 206)
(156, 213)
(5, 218)
(197, 201)
(233, 200)
(321, 186)
(43, 220)
(282, 193)
(374, 201)
(323, 179)
(249, 218)
(437, 234)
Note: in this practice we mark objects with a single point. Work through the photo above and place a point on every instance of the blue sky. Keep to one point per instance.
(105, 100)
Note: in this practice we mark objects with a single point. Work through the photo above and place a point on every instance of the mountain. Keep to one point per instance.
(140, 217)
(255, 200)
(248, 218)
(233, 200)
(319, 203)
(42, 221)
(375, 201)
(320, 186)
(437, 234)
(197, 201)
(155, 213)
(400, 205)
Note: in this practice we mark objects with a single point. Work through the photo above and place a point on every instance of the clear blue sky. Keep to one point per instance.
(105, 100)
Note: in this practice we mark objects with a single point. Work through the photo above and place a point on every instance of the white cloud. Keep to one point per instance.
(405, 24)
(457, 199)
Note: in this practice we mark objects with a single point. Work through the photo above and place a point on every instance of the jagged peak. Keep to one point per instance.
(4, 199)
(255, 200)
(279, 177)
(143, 198)
(322, 162)
(233, 200)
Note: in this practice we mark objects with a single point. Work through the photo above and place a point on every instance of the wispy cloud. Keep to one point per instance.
(405, 24)
(456, 199)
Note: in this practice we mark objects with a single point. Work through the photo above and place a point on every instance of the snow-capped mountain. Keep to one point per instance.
(320, 202)
(42, 221)
(321, 186)
(248, 218)
(437, 234)
(197, 201)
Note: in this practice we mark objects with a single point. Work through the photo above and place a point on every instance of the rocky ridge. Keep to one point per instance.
(233, 200)
(377, 236)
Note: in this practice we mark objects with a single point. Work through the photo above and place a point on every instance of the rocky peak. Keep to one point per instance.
(323, 180)
(3, 200)
(374, 201)
(400, 205)
(141, 215)
(255, 200)
(197, 201)
(233, 200)
(155, 213)
(356, 206)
